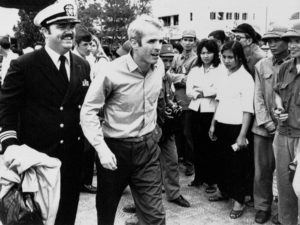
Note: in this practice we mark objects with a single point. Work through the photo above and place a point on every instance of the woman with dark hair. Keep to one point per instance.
(201, 87)
(230, 126)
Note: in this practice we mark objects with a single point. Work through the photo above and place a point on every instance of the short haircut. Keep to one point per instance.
(212, 47)
(137, 28)
(82, 34)
(5, 43)
(219, 35)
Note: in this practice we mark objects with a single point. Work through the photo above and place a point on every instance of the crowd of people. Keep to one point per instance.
(223, 107)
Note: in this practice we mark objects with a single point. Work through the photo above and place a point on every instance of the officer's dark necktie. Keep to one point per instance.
(62, 68)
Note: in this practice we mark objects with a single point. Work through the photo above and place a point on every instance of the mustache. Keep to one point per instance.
(66, 35)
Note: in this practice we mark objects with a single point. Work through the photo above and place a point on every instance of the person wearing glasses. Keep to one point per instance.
(247, 36)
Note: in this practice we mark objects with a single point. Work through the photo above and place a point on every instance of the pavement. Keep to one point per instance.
(201, 211)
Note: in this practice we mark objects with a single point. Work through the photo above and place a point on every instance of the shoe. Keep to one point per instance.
(181, 201)
(275, 220)
(262, 216)
(217, 198)
(249, 201)
(133, 220)
(130, 208)
(210, 189)
(88, 188)
(195, 183)
(189, 171)
(234, 214)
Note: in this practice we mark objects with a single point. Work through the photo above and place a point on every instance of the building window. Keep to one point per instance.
(166, 20)
(228, 16)
(212, 16)
(220, 15)
(191, 16)
(236, 16)
(176, 20)
(244, 16)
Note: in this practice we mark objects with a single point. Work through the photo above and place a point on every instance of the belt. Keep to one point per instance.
(133, 139)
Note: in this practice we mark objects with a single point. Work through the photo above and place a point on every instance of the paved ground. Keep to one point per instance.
(201, 212)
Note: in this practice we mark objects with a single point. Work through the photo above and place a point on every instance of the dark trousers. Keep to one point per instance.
(184, 137)
(71, 156)
(139, 167)
(232, 165)
(264, 168)
(88, 163)
(204, 149)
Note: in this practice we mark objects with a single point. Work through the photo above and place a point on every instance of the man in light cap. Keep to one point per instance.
(169, 156)
(287, 137)
(177, 74)
(41, 99)
(264, 125)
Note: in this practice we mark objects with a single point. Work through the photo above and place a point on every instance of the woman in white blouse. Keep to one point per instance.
(230, 126)
(201, 88)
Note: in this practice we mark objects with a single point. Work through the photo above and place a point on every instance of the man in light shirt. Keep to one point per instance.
(127, 140)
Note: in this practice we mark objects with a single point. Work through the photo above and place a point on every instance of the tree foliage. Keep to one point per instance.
(113, 16)
(109, 19)
(26, 32)
(89, 15)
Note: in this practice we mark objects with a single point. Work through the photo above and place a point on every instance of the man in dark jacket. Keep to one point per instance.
(41, 98)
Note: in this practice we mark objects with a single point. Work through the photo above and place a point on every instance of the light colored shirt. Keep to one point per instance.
(6, 63)
(128, 98)
(205, 81)
(235, 93)
(55, 58)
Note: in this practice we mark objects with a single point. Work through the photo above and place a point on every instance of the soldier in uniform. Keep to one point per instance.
(41, 99)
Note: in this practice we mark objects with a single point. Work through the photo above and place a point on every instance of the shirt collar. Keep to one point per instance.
(55, 56)
(132, 66)
(76, 52)
(280, 60)
(186, 55)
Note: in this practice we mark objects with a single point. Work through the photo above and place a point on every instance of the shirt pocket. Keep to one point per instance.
(267, 75)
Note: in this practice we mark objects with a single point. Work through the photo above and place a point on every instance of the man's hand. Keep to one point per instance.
(108, 159)
(280, 115)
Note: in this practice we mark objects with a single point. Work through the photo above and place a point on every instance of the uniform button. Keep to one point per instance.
(78, 138)
(61, 125)
(61, 108)
(79, 106)
(61, 141)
